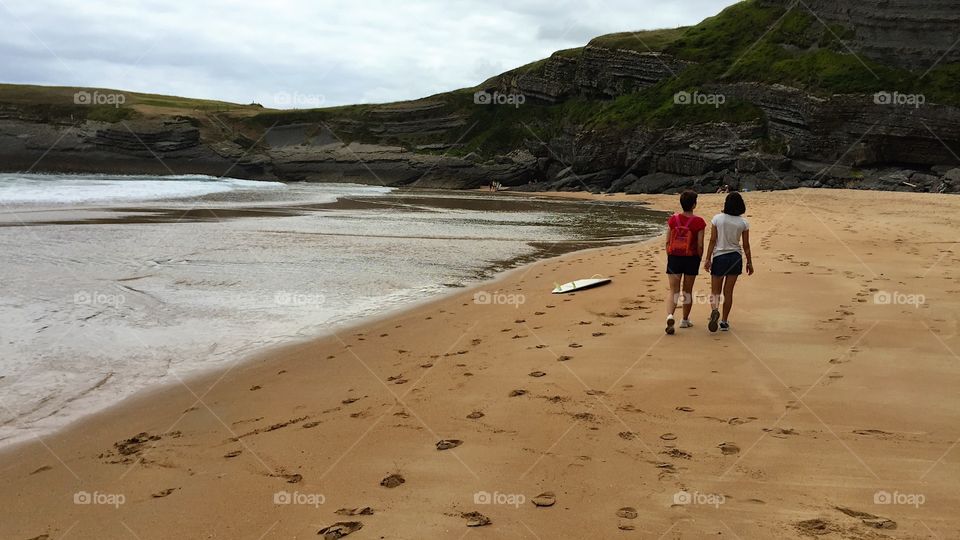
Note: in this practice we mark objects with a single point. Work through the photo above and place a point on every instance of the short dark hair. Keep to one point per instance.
(688, 200)
(734, 204)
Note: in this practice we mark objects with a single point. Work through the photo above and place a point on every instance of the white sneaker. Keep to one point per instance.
(670, 322)
(686, 324)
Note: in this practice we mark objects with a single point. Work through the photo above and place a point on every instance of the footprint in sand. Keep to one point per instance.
(728, 448)
(362, 511)
(598, 334)
(627, 512)
(233, 454)
(575, 345)
(475, 415)
(815, 527)
(537, 374)
(516, 393)
(290, 478)
(564, 358)
(475, 519)
(163, 493)
(685, 409)
(340, 529)
(676, 453)
(876, 522)
(737, 421)
(447, 444)
(393, 481)
(668, 437)
(872, 432)
(780, 433)
(544, 500)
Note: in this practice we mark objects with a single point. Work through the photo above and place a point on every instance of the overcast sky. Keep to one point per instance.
(305, 52)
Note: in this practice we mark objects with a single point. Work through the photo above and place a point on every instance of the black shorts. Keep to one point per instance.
(687, 266)
(728, 264)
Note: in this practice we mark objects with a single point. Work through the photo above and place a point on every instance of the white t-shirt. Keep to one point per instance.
(729, 229)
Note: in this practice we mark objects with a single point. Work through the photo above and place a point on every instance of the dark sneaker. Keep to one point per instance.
(714, 319)
(724, 326)
(670, 329)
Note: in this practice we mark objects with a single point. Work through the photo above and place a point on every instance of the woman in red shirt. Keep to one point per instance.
(684, 252)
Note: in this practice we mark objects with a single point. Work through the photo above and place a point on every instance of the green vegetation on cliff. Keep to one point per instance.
(751, 41)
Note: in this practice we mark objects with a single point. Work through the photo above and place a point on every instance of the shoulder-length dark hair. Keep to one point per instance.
(734, 204)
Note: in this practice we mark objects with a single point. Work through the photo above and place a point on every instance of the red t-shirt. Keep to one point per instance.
(695, 224)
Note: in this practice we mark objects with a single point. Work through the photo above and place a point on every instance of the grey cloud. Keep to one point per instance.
(377, 50)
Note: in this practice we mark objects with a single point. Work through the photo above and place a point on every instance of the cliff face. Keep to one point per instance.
(907, 33)
(597, 73)
(789, 137)
(162, 146)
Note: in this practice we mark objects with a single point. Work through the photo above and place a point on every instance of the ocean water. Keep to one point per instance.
(86, 188)
(116, 284)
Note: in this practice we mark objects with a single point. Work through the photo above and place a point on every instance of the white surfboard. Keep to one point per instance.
(581, 284)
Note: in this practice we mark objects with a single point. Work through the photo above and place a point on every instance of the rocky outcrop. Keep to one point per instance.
(854, 129)
(912, 34)
(396, 166)
(165, 146)
(593, 72)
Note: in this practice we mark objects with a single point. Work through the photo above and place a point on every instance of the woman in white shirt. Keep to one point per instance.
(724, 258)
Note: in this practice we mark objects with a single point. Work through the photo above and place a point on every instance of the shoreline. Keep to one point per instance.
(282, 349)
(277, 349)
(613, 415)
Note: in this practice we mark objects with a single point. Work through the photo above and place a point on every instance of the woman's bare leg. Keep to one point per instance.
(688, 282)
(716, 291)
(728, 286)
(674, 293)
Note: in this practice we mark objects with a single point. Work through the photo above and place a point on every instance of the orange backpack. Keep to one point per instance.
(683, 242)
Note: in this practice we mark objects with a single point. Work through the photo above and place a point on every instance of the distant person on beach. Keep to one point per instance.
(684, 252)
(725, 258)
(724, 189)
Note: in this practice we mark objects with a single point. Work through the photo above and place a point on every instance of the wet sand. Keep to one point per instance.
(830, 410)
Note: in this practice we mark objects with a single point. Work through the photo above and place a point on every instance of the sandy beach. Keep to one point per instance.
(830, 410)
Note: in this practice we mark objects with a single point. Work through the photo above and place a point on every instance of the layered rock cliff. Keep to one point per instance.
(767, 95)
(905, 33)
